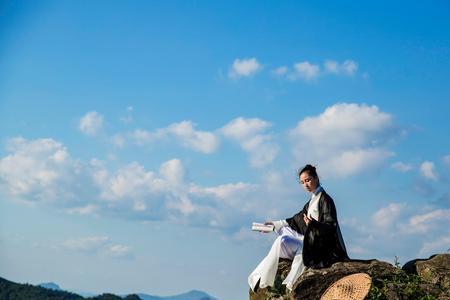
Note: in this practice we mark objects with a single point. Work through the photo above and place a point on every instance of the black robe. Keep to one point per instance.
(323, 244)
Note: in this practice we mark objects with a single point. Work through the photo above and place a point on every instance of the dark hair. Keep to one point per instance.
(310, 169)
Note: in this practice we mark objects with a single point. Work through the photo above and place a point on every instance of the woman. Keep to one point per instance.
(311, 238)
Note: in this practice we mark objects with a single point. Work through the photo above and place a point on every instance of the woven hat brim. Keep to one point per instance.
(351, 287)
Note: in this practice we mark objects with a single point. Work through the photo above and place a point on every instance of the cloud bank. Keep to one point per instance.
(345, 139)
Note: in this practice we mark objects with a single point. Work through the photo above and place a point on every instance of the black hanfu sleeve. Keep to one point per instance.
(297, 222)
(328, 222)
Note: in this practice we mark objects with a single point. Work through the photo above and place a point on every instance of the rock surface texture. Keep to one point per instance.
(419, 279)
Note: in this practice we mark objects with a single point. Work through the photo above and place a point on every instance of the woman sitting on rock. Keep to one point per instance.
(311, 238)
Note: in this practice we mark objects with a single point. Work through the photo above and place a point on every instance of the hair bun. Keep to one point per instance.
(310, 169)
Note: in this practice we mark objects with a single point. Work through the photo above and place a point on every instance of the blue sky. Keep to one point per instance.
(140, 139)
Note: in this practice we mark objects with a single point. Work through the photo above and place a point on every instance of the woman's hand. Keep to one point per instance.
(306, 219)
(268, 223)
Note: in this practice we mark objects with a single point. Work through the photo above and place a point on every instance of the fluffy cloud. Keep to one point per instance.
(39, 170)
(98, 245)
(86, 244)
(119, 251)
(202, 141)
(400, 228)
(42, 171)
(305, 70)
(345, 139)
(118, 140)
(428, 171)
(89, 209)
(91, 123)
(147, 194)
(183, 132)
(440, 245)
(402, 167)
(244, 68)
(131, 181)
(386, 216)
(252, 137)
(348, 67)
(308, 71)
(142, 137)
(423, 223)
(280, 71)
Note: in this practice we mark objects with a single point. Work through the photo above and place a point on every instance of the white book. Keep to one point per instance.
(261, 227)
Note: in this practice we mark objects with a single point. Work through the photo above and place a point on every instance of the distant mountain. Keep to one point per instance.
(17, 291)
(51, 291)
(192, 295)
(50, 286)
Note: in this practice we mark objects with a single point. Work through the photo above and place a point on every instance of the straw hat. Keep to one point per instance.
(351, 287)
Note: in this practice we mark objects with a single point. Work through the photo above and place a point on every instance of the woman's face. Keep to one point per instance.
(309, 182)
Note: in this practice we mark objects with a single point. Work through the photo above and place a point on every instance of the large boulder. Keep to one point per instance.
(313, 282)
(421, 279)
(434, 273)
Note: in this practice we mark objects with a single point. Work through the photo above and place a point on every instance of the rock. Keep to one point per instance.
(434, 273)
(313, 282)
(418, 279)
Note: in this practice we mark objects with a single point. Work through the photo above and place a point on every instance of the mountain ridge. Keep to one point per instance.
(52, 291)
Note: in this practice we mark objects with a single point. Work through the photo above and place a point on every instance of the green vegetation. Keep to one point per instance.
(14, 291)
(399, 286)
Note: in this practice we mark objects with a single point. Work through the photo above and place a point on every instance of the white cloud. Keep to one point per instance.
(172, 171)
(348, 67)
(244, 68)
(305, 70)
(183, 133)
(441, 245)
(86, 244)
(280, 71)
(91, 123)
(404, 229)
(38, 170)
(101, 245)
(353, 162)
(345, 139)
(119, 251)
(118, 140)
(166, 193)
(183, 205)
(231, 193)
(250, 134)
(89, 209)
(142, 137)
(402, 167)
(423, 223)
(128, 182)
(202, 141)
(331, 66)
(428, 171)
(42, 170)
(356, 249)
(388, 215)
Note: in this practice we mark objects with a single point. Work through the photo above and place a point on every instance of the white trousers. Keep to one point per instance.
(288, 244)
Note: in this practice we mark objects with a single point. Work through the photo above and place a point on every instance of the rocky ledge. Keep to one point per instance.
(424, 279)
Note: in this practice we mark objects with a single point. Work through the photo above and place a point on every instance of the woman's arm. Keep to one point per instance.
(297, 222)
